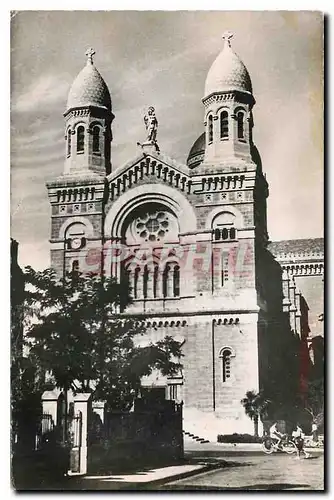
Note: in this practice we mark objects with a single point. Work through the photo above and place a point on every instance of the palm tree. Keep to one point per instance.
(256, 406)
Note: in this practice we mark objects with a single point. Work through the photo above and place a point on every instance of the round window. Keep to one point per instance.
(152, 227)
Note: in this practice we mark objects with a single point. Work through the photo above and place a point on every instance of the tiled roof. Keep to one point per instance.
(227, 73)
(312, 247)
(89, 89)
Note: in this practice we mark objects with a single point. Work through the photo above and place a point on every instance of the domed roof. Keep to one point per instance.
(89, 88)
(196, 154)
(227, 72)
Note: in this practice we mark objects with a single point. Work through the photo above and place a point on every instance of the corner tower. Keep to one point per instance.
(228, 102)
(77, 196)
(88, 119)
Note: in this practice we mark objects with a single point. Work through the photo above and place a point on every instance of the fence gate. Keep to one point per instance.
(75, 432)
(44, 432)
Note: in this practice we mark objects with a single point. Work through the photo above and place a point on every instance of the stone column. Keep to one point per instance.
(132, 280)
(82, 404)
(170, 280)
(285, 287)
(298, 313)
(292, 296)
(150, 277)
(140, 284)
(157, 276)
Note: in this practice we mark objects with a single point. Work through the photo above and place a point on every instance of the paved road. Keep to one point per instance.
(257, 472)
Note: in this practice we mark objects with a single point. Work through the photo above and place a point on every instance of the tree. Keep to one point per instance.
(256, 407)
(315, 401)
(80, 338)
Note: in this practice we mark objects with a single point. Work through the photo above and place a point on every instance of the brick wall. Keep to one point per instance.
(312, 288)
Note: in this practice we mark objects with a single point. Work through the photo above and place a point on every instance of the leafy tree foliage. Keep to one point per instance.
(256, 407)
(315, 401)
(80, 338)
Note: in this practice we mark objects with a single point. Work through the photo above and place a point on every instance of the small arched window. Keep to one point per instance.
(155, 281)
(225, 356)
(165, 281)
(224, 125)
(232, 233)
(80, 139)
(75, 266)
(176, 281)
(210, 129)
(146, 278)
(224, 233)
(75, 271)
(96, 139)
(217, 234)
(69, 137)
(240, 122)
(135, 282)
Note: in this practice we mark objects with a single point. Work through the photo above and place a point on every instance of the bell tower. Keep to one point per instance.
(77, 196)
(88, 119)
(228, 102)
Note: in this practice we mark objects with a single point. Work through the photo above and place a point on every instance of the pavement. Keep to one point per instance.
(220, 462)
(276, 472)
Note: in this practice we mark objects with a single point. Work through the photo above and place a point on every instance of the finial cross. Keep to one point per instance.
(89, 53)
(227, 37)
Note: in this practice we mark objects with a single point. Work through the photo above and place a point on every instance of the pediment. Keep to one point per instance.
(148, 167)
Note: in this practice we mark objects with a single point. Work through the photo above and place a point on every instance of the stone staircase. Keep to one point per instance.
(205, 426)
(195, 438)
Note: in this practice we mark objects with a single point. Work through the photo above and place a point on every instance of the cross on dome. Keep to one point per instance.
(227, 37)
(89, 53)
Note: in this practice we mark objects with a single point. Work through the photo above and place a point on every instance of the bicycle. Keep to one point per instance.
(287, 445)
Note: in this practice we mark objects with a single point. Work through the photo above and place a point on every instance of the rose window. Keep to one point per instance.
(152, 227)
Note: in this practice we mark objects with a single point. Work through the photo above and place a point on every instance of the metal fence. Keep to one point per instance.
(46, 427)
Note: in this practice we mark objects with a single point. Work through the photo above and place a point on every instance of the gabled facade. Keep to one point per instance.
(191, 238)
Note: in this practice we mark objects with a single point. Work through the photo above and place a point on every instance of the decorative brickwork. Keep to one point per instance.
(193, 241)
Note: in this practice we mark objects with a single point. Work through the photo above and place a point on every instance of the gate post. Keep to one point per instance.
(82, 404)
(50, 404)
(99, 408)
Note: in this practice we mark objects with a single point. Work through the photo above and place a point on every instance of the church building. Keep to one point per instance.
(193, 241)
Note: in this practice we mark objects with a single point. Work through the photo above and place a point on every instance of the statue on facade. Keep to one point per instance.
(151, 124)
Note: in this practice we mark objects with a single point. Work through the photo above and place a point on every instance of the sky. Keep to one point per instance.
(162, 59)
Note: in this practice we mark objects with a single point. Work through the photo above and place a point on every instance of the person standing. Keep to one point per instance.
(314, 432)
(298, 437)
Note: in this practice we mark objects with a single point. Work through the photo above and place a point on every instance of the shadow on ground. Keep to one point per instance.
(264, 486)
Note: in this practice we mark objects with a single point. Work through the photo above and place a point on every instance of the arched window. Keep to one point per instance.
(240, 122)
(146, 278)
(155, 281)
(225, 233)
(217, 234)
(96, 139)
(224, 124)
(232, 233)
(210, 129)
(69, 136)
(135, 282)
(75, 236)
(176, 281)
(80, 139)
(75, 266)
(75, 271)
(225, 356)
(223, 228)
(165, 281)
